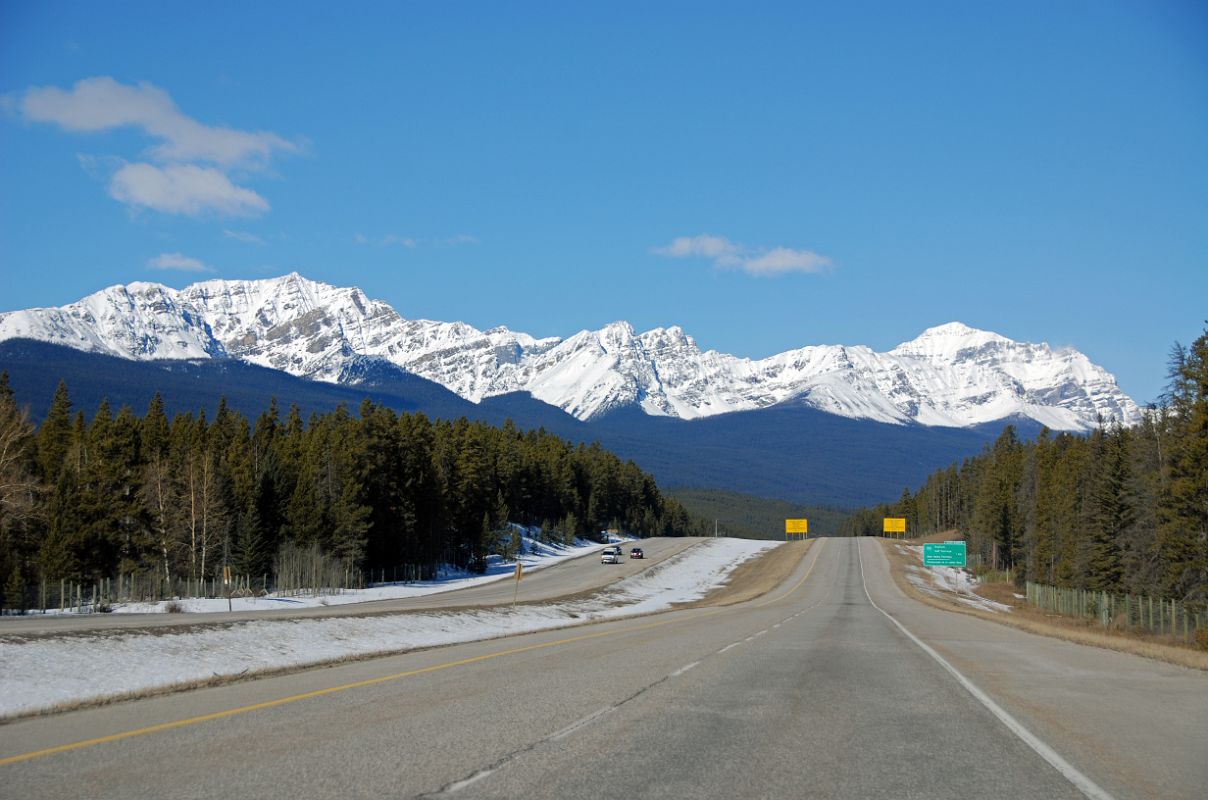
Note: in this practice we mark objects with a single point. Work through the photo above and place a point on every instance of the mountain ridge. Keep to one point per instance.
(951, 375)
(792, 452)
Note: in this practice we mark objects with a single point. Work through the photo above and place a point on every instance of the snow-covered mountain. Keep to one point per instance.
(950, 375)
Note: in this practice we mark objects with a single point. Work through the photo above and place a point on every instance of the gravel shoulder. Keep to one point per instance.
(1028, 619)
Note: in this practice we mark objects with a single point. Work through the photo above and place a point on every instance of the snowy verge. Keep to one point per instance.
(537, 556)
(47, 672)
(946, 582)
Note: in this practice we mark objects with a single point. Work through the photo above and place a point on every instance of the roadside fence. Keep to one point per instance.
(294, 578)
(1129, 612)
(101, 595)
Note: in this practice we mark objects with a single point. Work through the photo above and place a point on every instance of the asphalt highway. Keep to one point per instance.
(833, 685)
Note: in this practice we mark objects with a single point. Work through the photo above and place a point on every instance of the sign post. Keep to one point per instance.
(226, 581)
(948, 554)
(894, 525)
(796, 526)
(516, 593)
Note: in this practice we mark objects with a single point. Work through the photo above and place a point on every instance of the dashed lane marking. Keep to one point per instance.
(163, 727)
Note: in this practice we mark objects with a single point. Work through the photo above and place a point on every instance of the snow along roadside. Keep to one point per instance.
(947, 582)
(537, 556)
(43, 673)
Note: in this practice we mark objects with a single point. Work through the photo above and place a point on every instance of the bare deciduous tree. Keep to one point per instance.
(18, 487)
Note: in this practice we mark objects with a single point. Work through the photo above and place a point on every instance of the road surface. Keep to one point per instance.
(822, 688)
(565, 578)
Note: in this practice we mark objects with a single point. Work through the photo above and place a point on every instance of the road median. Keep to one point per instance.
(757, 576)
(57, 673)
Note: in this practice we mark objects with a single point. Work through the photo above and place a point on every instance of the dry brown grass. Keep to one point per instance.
(1038, 621)
(934, 538)
(758, 576)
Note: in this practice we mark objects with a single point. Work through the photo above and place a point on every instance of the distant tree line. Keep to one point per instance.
(1120, 510)
(751, 517)
(120, 494)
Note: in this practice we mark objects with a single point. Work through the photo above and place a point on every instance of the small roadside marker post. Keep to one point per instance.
(226, 581)
(516, 593)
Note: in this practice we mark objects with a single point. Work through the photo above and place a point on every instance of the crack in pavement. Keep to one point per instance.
(455, 786)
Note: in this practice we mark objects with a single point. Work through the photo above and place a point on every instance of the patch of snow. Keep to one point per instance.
(537, 555)
(946, 582)
(44, 672)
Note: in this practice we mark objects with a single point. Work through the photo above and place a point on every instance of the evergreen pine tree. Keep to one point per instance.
(1110, 510)
(1182, 539)
(55, 436)
(14, 590)
(250, 555)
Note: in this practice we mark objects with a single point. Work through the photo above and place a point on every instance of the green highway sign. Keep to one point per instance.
(948, 554)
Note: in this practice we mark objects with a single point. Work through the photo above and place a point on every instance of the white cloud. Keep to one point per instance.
(718, 248)
(243, 236)
(779, 260)
(192, 161)
(183, 189)
(101, 103)
(762, 262)
(178, 261)
(411, 242)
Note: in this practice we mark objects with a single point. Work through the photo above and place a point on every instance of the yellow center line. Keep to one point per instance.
(797, 585)
(231, 712)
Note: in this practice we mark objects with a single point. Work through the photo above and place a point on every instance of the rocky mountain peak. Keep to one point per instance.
(950, 374)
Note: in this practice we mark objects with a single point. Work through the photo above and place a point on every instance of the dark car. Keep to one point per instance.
(636, 552)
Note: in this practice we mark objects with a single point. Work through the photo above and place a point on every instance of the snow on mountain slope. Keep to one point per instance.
(950, 375)
(139, 321)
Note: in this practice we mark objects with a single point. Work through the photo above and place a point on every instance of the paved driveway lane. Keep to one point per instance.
(1138, 727)
(833, 703)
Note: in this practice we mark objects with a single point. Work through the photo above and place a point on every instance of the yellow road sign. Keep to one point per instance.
(894, 525)
(519, 570)
(796, 526)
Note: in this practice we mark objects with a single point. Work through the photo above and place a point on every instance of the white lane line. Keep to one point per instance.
(468, 782)
(684, 669)
(574, 726)
(1075, 776)
(728, 647)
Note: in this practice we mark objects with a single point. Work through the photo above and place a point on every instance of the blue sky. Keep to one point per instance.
(764, 175)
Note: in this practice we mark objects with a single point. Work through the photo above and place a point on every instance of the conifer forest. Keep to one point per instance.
(88, 498)
(1119, 510)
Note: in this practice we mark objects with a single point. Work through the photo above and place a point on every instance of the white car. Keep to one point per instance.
(611, 555)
